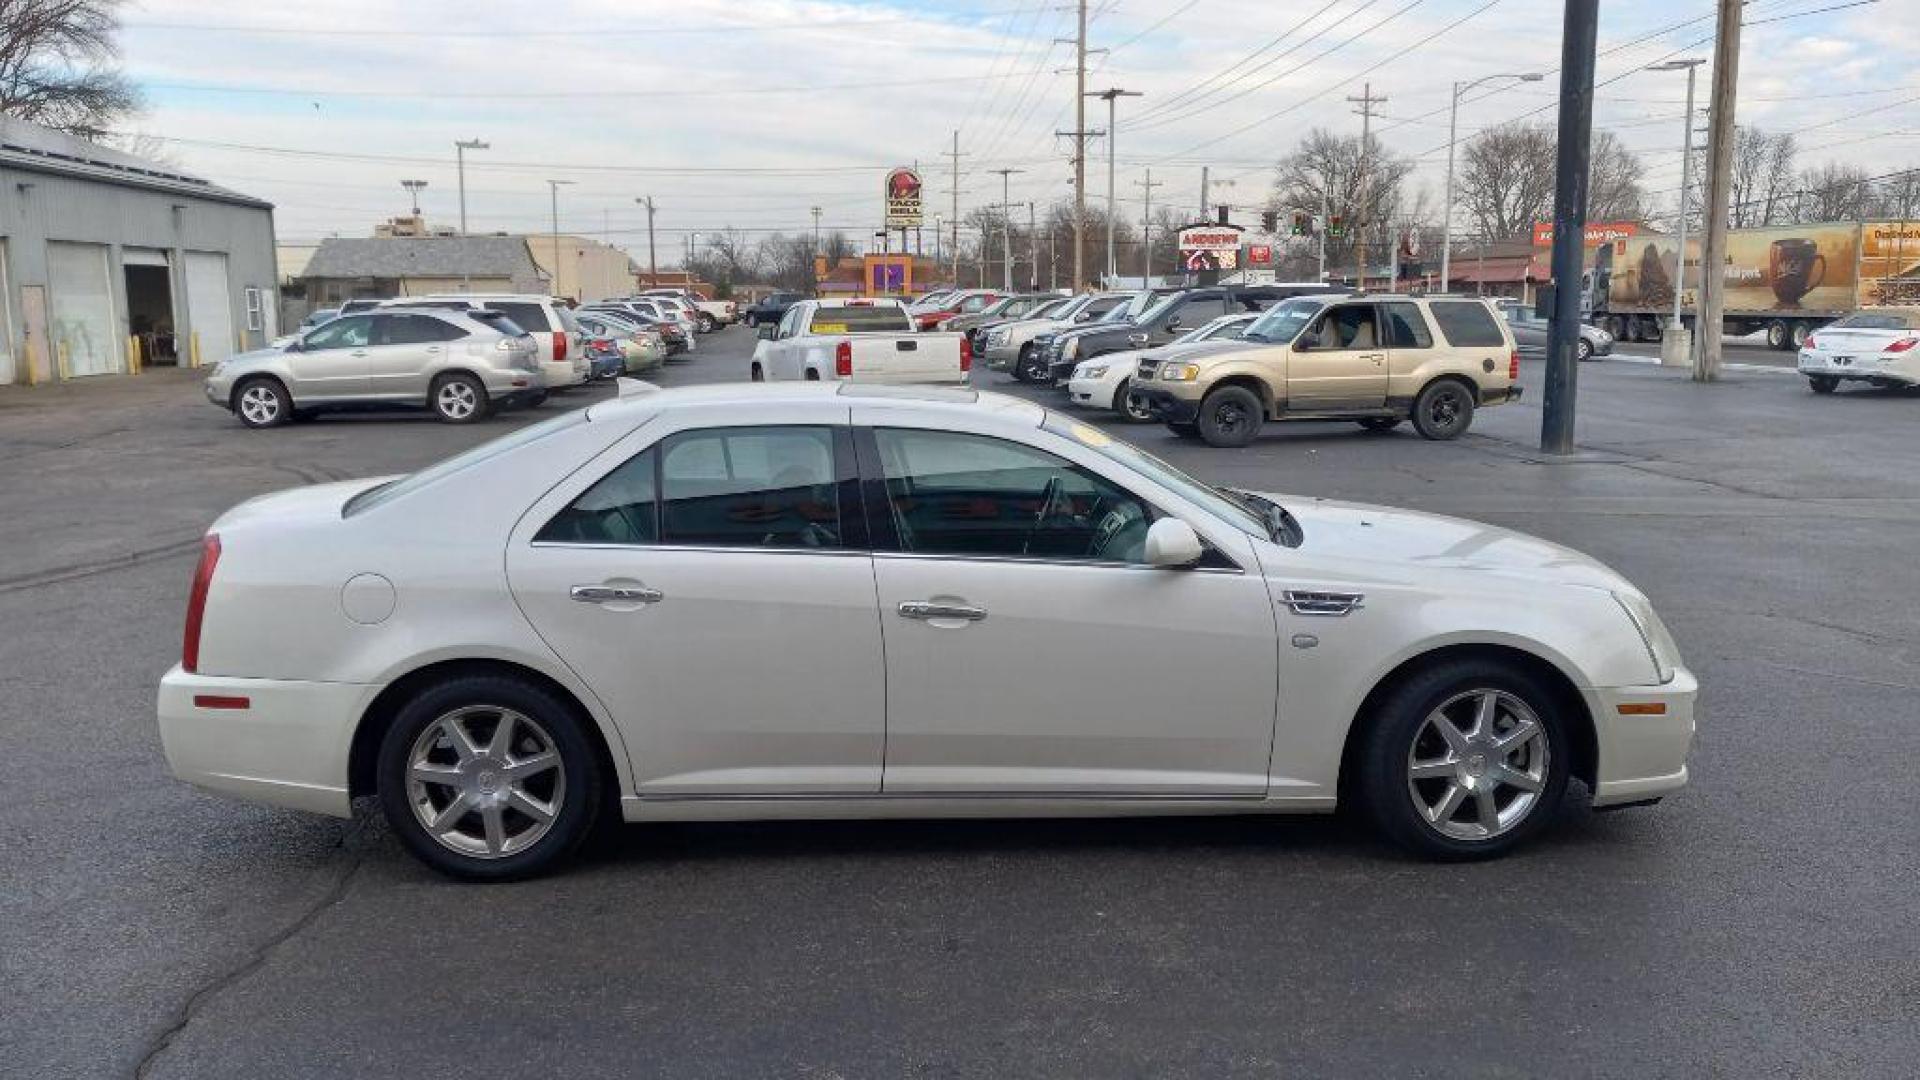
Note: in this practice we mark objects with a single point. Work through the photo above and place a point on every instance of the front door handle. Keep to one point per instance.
(927, 609)
(615, 594)
(1375, 357)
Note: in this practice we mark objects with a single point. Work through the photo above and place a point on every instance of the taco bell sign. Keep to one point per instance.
(903, 199)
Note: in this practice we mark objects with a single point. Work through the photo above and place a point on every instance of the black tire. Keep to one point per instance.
(579, 784)
(707, 325)
(537, 400)
(1797, 337)
(1583, 350)
(1184, 430)
(1444, 410)
(262, 402)
(812, 375)
(1779, 335)
(1379, 423)
(751, 321)
(1397, 733)
(1823, 384)
(1123, 404)
(1230, 416)
(1031, 367)
(758, 375)
(459, 398)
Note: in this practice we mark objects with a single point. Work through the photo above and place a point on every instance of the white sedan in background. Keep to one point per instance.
(1878, 346)
(1103, 382)
(829, 601)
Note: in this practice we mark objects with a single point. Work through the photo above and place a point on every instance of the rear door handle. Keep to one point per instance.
(926, 609)
(616, 594)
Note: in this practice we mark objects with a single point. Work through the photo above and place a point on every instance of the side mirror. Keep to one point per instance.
(1307, 341)
(769, 331)
(1082, 317)
(294, 345)
(1172, 544)
(1173, 325)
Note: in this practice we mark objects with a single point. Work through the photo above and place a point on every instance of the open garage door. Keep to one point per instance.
(81, 298)
(210, 305)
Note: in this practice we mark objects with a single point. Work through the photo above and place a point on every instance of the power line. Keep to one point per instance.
(497, 33)
(1186, 96)
(563, 95)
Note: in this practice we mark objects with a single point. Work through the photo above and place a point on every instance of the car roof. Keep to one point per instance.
(936, 400)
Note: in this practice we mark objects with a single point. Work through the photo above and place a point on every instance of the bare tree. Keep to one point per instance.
(836, 247)
(56, 65)
(1762, 176)
(1506, 179)
(788, 261)
(1832, 192)
(1323, 175)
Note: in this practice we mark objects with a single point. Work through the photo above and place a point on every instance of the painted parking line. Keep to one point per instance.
(1769, 369)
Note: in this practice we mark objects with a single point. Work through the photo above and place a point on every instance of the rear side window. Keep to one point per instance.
(768, 487)
(531, 317)
(858, 320)
(1406, 327)
(401, 329)
(1466, 322)
(623, 508)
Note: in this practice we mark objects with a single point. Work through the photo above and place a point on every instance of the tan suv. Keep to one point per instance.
(1376, 359)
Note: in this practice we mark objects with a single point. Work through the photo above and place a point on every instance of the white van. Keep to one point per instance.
(563, 354)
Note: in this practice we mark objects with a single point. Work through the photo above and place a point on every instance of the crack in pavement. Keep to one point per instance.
(196, 1001)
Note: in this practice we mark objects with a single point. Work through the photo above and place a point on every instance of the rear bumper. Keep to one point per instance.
(287, 747)
(1861, 369)
(1643, 755)
(1501, 397)
(560, 374)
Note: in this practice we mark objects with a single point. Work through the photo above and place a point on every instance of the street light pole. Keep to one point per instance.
(1446, 202)
(1676, 344)
(460, 148)
(653, 259)
(1112, 95)
(553, 194)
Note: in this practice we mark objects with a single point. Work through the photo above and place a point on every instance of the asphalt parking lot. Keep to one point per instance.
(1759, 923)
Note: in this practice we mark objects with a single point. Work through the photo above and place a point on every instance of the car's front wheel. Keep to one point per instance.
(1583, 350)
(262, 403)
(489, 778)
(1131, 405)
(1444, 410)
(1823, 384)
(759, 373)
(1464, 760)
(1230, 416)
(707, 324)
(1032, 366)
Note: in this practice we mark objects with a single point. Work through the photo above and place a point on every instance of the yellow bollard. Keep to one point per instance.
(193, 346)
(134, 360)
(66, 370)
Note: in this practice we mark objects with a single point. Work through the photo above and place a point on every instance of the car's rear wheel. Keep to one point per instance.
(458, 398)
(1464, 760)
(759, 373)
(1128, 405)
(262, 402)
(707, 324)
(489, 778)
(1823, 384)
(1444, 410)
(1779, 334)
(1379, 423)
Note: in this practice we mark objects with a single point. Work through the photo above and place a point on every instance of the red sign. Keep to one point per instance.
(1259, 255)
(1598, 232)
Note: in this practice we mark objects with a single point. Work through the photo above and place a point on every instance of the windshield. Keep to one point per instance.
(1161, 307)
(1232, 510)
(393, 489)
(1048, 310)
(1118, 314)
(1071, 308)
(1283, 321)
(1140, 303)
(1222, 329)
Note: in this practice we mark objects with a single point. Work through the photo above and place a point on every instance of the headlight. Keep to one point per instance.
(997, 337)
(1089, 371)
(1179, 372)
(1653, 633)
(1070, 348)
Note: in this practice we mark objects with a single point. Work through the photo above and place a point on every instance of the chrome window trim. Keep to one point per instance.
(834, 552)
(863, 552)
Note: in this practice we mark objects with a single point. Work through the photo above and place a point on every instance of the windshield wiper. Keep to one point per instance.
(1282, 527)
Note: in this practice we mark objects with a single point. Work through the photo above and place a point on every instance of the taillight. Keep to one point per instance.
(966, 353)
(843, 359)
(559, 348)
(1513, 366)
(197, 602)
(1811, 343)
(1902, 345)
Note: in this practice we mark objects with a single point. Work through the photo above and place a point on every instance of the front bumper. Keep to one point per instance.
(1002, 357)
(1164, 406)
(1094, 393)
(1643, 754)
(287, 747)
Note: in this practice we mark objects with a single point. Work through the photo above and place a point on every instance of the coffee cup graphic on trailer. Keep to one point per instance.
(1795, 267)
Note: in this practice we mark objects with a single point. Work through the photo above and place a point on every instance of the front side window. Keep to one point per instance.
(950, 493)
(1466, 323)
(346, 332)
(750, 487)
(1406, 327)
(1348, 326)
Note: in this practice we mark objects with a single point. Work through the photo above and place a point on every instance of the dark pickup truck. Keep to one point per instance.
(772, 308)
(1168, 318)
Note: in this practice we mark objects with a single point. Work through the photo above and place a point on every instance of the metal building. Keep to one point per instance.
(110, 263)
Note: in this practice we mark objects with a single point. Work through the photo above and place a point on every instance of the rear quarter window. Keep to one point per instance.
(531, 317)
(1466, 323)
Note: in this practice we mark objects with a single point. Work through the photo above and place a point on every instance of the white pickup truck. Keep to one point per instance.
(858, 340)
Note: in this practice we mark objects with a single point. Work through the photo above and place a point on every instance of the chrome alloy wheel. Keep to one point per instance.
(485, 781)
(259, 405)
(1478, 764)
(456, 400)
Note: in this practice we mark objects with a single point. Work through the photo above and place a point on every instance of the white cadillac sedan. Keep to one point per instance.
(816, 601)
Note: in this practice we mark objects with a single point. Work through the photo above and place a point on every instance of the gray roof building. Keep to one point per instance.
(344, 267)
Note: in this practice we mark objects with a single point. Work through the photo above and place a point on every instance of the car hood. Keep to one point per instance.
(1419, 541)
(254, 356)
(1132, 357)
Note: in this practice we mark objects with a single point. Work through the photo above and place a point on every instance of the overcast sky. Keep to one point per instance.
(749, 113)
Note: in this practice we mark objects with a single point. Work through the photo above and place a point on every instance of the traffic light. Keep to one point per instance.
(1336, 225)
(1302, 223)
(1270, 221)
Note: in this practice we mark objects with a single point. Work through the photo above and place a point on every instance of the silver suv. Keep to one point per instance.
(460, 364)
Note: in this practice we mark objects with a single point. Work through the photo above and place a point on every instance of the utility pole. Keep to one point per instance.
(1006, 230)
(1571, 165)
(1146, 227)
(1080, 147)
(553, 193)
(816, 232)
(954, 157)
(413, 189)
(1676, 344)
(1366, 101)
(653, 259)
(1033, 252)
(1713, 253)
(1112, 95)
(1206, 178)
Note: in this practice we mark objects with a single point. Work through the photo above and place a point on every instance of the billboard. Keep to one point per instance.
(903, 199)
(1890, 262)
(1789, 269)
(1210, 247)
